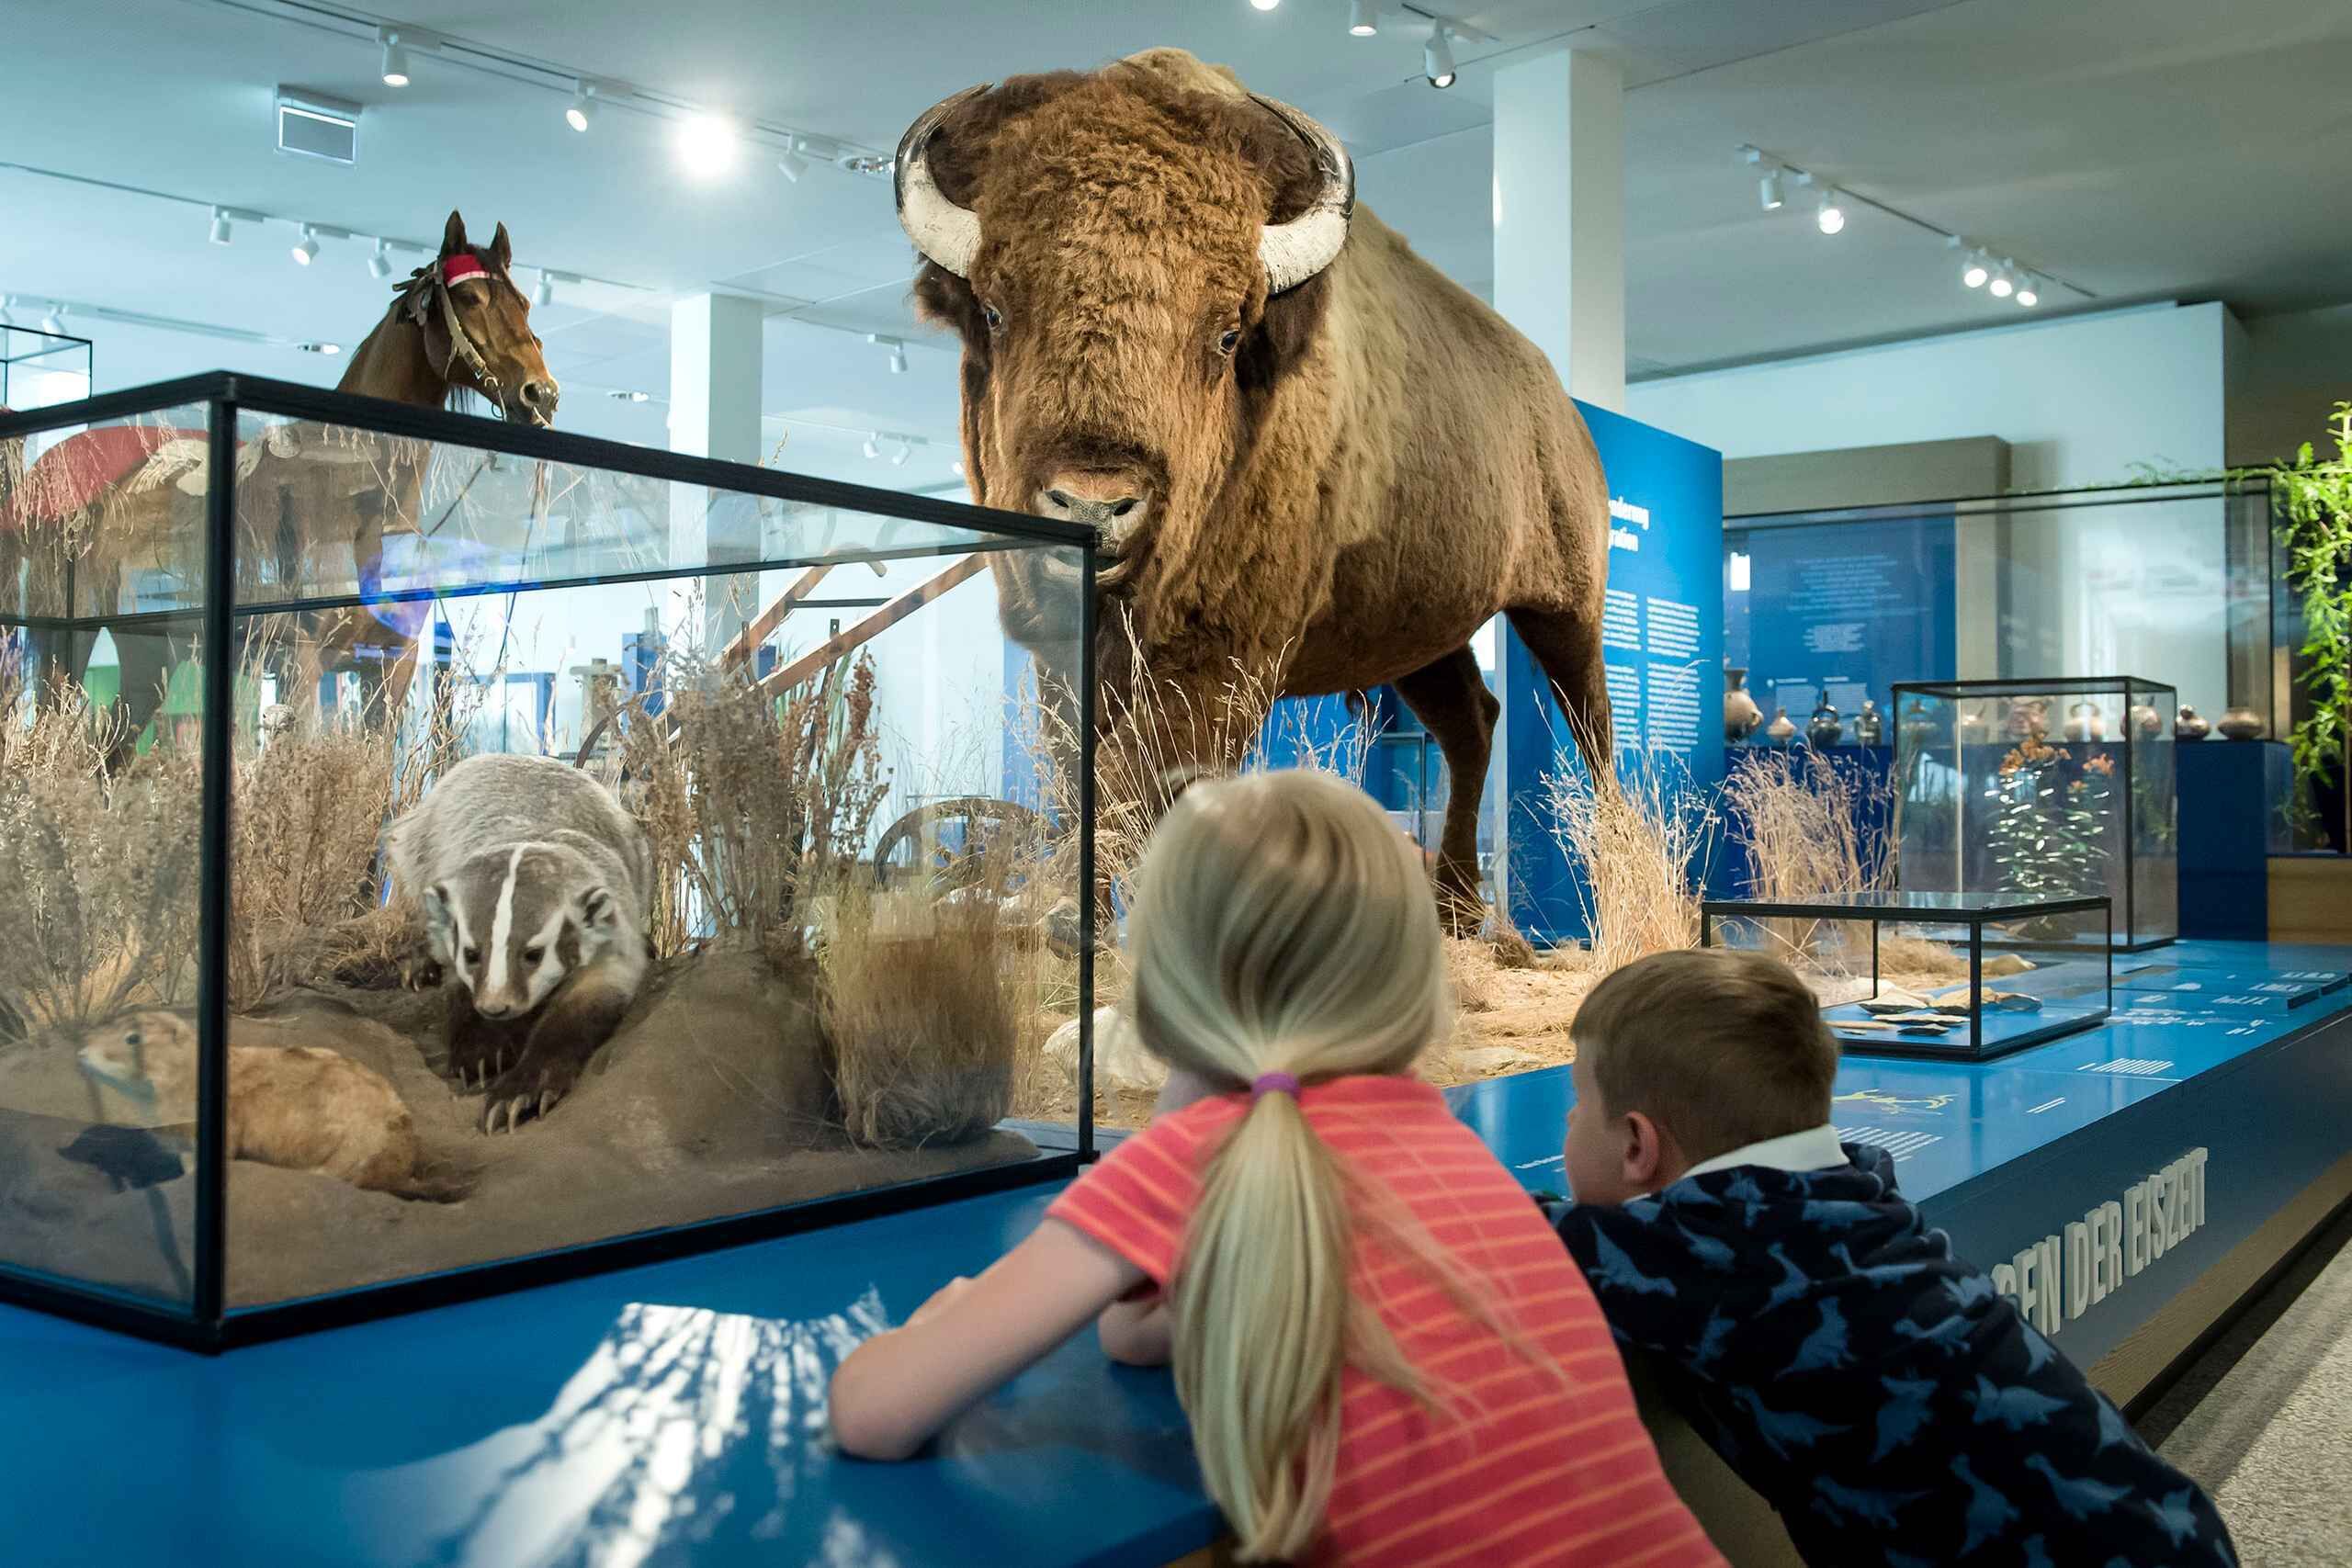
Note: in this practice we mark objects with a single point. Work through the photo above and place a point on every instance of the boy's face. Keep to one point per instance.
(1603, 1151)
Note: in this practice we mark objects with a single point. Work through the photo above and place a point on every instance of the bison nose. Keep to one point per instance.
(1109, 504)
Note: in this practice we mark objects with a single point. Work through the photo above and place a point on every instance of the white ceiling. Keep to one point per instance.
(2141, 147)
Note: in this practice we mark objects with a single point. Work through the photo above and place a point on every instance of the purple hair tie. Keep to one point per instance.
(1274, 1083)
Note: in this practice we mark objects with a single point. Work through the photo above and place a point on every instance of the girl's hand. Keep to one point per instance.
(897, 1389)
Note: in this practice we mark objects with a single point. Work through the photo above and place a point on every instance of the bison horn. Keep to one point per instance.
(948, 234)
(1296, 250)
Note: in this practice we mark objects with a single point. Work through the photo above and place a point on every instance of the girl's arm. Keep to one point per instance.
(899, 1388)
(1134, 1330)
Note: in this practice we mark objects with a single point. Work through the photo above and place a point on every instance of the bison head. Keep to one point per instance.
(1134, 259)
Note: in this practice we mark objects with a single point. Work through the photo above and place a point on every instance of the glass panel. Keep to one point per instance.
(732, 859)
(101, 796)
(38, 370)
(1831, 610)
(2027, 790)
(1900, 985)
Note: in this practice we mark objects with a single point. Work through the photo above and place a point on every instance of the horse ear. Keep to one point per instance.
(453, 238)
(501, 252)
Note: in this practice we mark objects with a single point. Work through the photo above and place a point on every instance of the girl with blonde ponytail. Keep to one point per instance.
(1386, 1356)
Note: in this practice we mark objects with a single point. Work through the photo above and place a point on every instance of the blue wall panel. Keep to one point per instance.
(1663, 645)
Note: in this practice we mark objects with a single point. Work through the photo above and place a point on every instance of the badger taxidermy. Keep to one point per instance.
(534, 884)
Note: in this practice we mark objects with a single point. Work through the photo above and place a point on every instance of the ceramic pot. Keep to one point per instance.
(2085, 722)
(1918, 725)
(1741, 715)
(2146, 719)
(2190, 725)
(2239, 724)
(1781, 729)
(1823, 729)
(1974, 726)
(1870, 727)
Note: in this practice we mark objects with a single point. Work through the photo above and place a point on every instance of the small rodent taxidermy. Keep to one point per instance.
(298, 1107)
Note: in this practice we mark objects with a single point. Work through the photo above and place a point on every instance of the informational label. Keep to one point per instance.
(1620, 619)
(1669, 717)
(1670, 629)
(2072, 1270)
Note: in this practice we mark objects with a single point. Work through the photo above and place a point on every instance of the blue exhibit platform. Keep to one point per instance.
(675, 1414)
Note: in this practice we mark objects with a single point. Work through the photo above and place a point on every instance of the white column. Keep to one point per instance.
(1560, 216)
(715, 353)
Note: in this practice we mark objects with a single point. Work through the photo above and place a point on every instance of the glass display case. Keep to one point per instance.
(2043, 788)
(41, 369)
(454, 855)
(1955, 975)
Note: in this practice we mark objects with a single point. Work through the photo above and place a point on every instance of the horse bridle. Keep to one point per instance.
(436, 281)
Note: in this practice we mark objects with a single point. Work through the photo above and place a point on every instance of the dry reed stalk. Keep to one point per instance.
(1636, 839)
(1800, 817)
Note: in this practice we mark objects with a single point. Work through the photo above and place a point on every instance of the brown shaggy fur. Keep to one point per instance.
(1380, 465)
(301, 1108)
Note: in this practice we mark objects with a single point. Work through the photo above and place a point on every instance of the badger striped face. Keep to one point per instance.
(514, 922)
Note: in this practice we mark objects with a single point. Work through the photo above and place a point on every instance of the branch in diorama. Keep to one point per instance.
(785, 677)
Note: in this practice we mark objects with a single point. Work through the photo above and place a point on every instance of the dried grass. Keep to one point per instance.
(309, 810)
(1800, 819)
(754, 800)
(102, 912)
(1635, 839)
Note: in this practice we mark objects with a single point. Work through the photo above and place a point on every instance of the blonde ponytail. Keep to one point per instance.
(1284, 927)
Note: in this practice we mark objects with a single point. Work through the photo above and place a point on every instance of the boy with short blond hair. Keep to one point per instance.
(1880, 1392)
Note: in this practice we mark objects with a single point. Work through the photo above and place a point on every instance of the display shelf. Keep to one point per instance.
(2048, 984)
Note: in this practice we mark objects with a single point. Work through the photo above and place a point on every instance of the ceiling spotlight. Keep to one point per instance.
(306, 249)
(958, 465)
(395, 59)
(581, 110)
(219, 225)
(1437, 57)
(379, 261)
(1976, 270)
(898, 362)
(330, 349)
(2028, 295)
(53, 324)
(544, 292)
(1832, 217)
(898, 458)
(1767, 190)
(1364, 17)
(2003, 284)
(873, 448)
(1265, 4)
(792, 165)
(621, 396)
(707, 145)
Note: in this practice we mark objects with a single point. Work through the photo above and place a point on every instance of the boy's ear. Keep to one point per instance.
(1648, 1154)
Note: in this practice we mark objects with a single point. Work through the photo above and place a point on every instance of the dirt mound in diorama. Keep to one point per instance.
(714, 1098)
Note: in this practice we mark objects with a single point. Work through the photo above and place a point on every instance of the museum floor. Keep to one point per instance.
(2260, 1420)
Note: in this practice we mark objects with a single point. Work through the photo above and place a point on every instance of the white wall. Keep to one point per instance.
(2083, 400)
(2080, 400)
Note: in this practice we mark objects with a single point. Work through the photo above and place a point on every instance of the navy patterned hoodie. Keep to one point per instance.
(1880, 1393)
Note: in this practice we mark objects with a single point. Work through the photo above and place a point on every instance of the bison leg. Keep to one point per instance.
(1566, 646)
(1451, 699)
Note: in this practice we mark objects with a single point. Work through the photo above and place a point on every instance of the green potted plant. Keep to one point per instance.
(2314, 524)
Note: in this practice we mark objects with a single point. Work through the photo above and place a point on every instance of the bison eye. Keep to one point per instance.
(994, 318)
(1232, 339)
